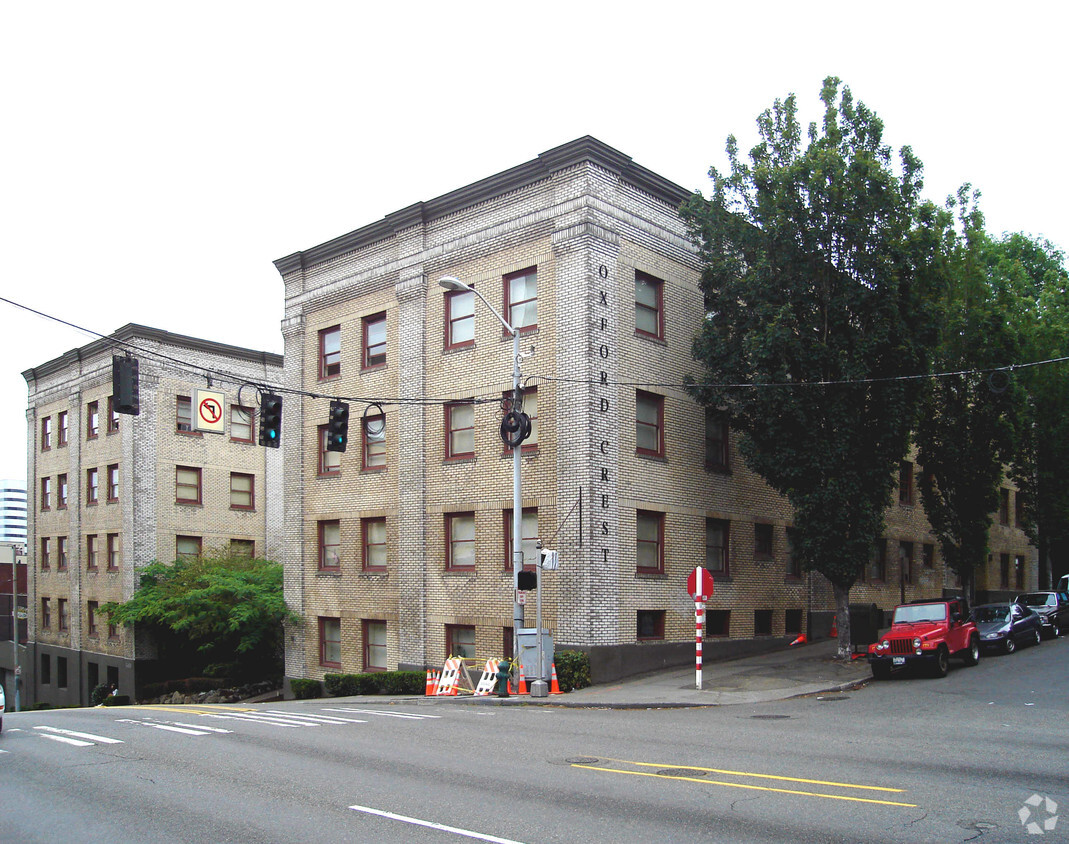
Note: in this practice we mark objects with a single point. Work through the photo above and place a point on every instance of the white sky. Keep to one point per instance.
(156, 158)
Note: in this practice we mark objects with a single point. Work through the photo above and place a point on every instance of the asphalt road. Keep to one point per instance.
(909, 760)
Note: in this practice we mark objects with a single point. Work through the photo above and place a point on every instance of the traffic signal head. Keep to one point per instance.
(270, 420)
(338, 426)
(124, 385)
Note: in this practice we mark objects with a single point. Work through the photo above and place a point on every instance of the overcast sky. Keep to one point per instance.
(158, 157)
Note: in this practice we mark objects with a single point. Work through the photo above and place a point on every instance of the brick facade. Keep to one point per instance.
(120, 482)
(587, 220)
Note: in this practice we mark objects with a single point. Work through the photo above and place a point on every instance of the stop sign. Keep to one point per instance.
(700, 584)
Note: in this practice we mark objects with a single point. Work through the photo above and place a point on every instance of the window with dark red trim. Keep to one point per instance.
(374, 645)
(649, 424)
(92, 420)
(373, 434)
(187, 485)
(649, 306)
(717, 533)
(330, 352)
(459, 430)
(459, 319)
(460, 541)
(521, 299)
(374, 340)
(330, 545)
(649, 542)
(373, 533)
(330, 642)
(329, 461)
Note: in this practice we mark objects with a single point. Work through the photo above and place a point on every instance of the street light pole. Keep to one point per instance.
(452, 283)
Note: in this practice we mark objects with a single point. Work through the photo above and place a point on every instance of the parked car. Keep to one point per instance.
(1005, 626)
(1053, 609)
(1063, 584)
(926, 633)
(1, 709)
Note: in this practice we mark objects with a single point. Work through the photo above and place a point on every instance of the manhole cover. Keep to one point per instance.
(582, 760)
(770, 717)
(682, 772)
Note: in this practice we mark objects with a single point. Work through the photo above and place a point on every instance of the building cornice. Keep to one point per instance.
(583, 150)
(130, 333)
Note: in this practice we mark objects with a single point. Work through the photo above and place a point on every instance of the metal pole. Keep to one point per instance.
(517, 504)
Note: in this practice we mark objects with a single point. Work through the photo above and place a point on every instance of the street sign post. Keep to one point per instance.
(700, 588)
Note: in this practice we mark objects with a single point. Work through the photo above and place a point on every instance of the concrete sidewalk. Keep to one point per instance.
(777, 675)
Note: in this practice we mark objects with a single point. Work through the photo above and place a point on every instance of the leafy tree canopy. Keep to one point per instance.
(967, 432)
(819, 265)
(218, 603)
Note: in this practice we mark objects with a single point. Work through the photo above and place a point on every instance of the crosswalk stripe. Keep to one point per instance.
(202, 727)
(412, 716)
(321, 719)
(88, 736)
(258, 719)
(65, 740)
(183, 730)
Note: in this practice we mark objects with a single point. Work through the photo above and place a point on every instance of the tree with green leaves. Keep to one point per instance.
(1033, 270)
(967, 431)
(228, 609)
(819, 262)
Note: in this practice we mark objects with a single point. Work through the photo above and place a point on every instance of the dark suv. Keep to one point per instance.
(1053, 610)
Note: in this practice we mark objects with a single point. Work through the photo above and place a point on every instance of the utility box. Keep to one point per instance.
(527, 641)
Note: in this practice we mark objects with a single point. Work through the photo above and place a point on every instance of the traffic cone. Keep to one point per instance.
(554, 686)
(523, 683)
(432, 681)
(801, 640)
(834, 632)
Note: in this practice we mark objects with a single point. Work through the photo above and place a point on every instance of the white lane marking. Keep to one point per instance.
(413, 716)
(319, 719)
(65, 740)
(184, 729)
(256, 719)
(433, 825)
(88, 736)
(202, 727)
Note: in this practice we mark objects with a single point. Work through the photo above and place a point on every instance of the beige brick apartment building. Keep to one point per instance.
(109, 493)
(398, 551)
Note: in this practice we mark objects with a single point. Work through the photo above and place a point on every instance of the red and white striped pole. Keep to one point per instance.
(699, 623)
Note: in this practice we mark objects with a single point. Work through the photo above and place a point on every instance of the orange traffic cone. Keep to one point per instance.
(432, 681)
(801, 640)
(523, 683)
(554, 686)
(834, 632)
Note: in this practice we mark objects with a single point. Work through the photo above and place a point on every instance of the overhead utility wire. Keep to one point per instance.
(185, 367)
(225, 377)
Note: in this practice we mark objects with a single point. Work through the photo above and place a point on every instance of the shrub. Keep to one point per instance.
(305, 689)
(117, 700)
(573, 670)
(377, 683)
(98, 694)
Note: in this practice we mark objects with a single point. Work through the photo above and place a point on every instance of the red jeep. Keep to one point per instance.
(926, 632)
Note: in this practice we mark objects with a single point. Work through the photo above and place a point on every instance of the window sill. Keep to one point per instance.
(653, 338)
(372, 470)
(651, 456)
(650, 574)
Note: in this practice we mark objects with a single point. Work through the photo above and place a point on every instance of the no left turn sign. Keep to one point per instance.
(209, 412)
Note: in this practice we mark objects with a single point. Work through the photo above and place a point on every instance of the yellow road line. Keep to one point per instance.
(192, 709)
(762, 776)
(749, 787)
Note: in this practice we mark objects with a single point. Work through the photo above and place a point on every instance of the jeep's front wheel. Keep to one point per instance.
(941, 663)
(972, 653)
